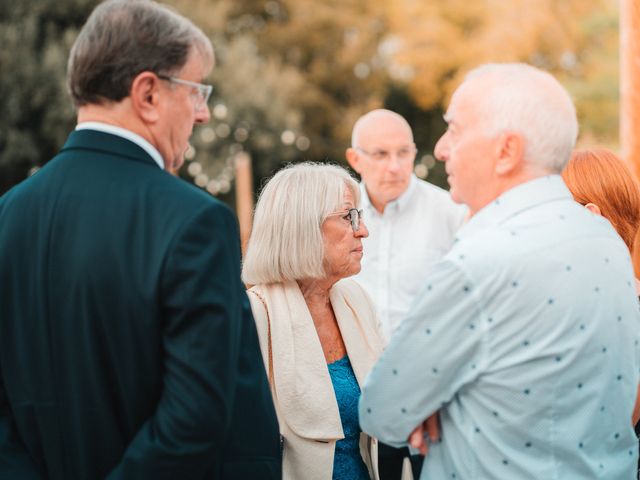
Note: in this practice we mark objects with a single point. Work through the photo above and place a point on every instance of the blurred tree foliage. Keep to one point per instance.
(287, 81)
(292, 76)
(35, 111)
(577, 40)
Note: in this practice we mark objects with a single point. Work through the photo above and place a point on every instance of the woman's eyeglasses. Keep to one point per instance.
(353, 215)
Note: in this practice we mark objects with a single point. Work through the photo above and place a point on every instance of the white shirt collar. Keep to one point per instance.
(521, 197)
(124, 133)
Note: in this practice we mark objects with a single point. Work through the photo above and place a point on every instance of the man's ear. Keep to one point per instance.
(593, 208)
(145, 96)
(510, 152)
(353, 159)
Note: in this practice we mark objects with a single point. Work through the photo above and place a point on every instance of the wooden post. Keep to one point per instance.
(630, 94)
(630, 83)
(244, 197)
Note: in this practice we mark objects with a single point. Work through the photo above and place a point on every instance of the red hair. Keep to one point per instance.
(600, 177)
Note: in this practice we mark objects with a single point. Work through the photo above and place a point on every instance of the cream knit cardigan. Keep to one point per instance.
(300, 383)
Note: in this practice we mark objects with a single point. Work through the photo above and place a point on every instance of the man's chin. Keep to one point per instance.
(395, 193)
(455, 197)
(178, 162)
(172, 166)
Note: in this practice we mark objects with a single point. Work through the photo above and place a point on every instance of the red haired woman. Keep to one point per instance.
(599, 180)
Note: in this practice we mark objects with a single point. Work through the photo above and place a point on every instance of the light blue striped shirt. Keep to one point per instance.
(525, 338)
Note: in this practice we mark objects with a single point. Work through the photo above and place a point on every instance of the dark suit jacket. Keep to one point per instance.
(127, 345)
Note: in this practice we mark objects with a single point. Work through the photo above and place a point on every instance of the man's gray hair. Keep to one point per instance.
(123, 38)
(286, 241)
(524, 99)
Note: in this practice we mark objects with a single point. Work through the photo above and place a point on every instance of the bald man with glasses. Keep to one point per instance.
(411, 226)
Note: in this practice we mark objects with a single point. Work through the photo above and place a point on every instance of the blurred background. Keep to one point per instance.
(292, 76)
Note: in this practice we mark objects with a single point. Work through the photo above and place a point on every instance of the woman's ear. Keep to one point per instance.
(593, 208)
(145, 96)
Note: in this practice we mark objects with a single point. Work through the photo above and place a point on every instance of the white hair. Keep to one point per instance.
(523, 99)
(286, 241)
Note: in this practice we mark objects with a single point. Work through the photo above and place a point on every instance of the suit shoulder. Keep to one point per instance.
(189, 196)
(17, 195)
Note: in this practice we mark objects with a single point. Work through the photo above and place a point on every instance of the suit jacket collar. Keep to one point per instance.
(108, 144)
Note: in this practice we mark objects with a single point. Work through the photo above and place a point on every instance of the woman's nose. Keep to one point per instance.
(362, 230)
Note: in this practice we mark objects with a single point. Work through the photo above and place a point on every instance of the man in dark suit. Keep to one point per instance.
(127, 346)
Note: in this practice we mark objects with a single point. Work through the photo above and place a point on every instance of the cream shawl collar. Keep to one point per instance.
(302, 384)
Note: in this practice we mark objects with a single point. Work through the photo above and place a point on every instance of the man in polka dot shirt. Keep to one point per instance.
(525, 336)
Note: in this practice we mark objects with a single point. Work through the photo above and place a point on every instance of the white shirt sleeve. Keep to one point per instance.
(438, 348)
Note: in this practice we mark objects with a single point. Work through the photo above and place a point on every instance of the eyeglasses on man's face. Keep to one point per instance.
(379, 155)
(353, 215)
(200, 91)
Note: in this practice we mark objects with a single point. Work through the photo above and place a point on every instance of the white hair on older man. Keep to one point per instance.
(286, 240)
(526, 100)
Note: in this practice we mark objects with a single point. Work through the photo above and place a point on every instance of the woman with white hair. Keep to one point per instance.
(318, 331)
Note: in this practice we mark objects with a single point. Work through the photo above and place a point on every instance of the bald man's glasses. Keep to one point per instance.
(200, 91)
(403, 154)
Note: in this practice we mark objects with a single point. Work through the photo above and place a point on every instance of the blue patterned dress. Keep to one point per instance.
(347, 461)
